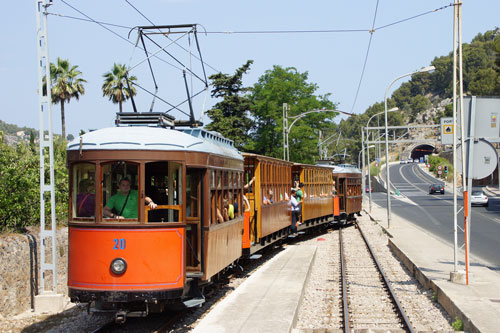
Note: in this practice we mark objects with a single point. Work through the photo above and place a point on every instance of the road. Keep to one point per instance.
(434, 213)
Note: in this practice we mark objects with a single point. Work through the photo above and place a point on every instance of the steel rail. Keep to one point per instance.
(345, 306)
(399, 308)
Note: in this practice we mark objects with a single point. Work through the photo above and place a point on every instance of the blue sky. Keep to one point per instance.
(334, 61)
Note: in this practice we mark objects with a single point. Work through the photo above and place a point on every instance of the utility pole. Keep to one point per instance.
(47, 299)
(457, 276)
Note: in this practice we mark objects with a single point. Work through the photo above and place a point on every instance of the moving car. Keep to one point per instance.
(436, 188)
(477, 197)
(402, 162)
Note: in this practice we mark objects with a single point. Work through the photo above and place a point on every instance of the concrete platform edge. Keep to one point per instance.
(444, 300)
(306, 280)
(451, 308)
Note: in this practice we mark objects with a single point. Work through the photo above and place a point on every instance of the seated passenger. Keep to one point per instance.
(235, 203)
(125, 202)
(85, 200)
(230, 210)
(268, 201)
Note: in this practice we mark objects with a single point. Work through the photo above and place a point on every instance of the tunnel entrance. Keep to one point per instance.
(421, 151)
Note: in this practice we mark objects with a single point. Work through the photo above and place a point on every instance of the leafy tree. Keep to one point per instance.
(115, 85)
(287, 85)
(19, 188)
(66, 84)
(230, 117)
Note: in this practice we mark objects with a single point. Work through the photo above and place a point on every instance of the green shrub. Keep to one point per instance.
(436, 161)
(20, 186)
(457, 325)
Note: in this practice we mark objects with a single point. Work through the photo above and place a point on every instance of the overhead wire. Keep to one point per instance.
(113, 32)
(366, 58)
(371, 31)
(182, 47)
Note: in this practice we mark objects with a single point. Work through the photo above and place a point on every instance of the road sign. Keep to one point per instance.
(447, 131)
(439, 167)
(421, 159)
(439, 172)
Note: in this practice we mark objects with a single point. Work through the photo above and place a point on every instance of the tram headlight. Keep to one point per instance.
(118, 266)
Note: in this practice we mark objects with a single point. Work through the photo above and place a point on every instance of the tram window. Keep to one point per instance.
(119, 190)
(164, 186)
(192, 181)
(83, 186)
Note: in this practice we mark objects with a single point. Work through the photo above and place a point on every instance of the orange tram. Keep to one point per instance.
(161, 256)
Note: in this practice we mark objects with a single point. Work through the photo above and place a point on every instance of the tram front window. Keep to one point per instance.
(119, 190)
(164, 187)
(83, 196)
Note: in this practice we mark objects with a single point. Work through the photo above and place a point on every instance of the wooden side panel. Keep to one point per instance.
(223, 245)
(317, 207)
(154, 257)
(275, 217)
(354, 205)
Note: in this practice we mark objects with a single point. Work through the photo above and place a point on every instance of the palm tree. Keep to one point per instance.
(115, 85)
(66, 84)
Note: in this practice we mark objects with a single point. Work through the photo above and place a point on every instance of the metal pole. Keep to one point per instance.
(472, 135)
(387, 161)
(284, 132)
(363, 161)
(369, 175)
(44, 102)
(455, 205)
(378, 135)
(461, 83)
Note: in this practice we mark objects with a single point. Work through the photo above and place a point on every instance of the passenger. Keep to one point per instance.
(246, 203)
(249, 183)
(85, 200)
(220, 218)
(225, 209)
(295, 208)
(235, 203)
(230, 210)
(125, 201)
(268, 201)
(300, 192)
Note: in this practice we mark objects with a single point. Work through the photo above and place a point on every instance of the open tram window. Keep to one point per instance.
(120, 197)
(163, 184)
(83, 191)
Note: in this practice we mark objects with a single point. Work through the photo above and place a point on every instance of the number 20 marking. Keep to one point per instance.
(119, 244)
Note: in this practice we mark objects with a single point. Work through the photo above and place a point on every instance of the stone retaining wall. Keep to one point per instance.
(20, 269)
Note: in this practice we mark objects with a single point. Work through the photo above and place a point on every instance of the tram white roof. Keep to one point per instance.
(340, 168)
(156, 138)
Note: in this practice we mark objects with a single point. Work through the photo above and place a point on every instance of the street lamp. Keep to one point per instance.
(422, 70)
(368, 155)
(286, 128)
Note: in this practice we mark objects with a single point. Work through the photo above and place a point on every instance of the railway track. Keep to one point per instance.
(368, 300)
(154, 323)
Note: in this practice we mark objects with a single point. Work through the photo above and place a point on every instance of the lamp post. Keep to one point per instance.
(286, 128)
(368, 155)
(422, 70)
